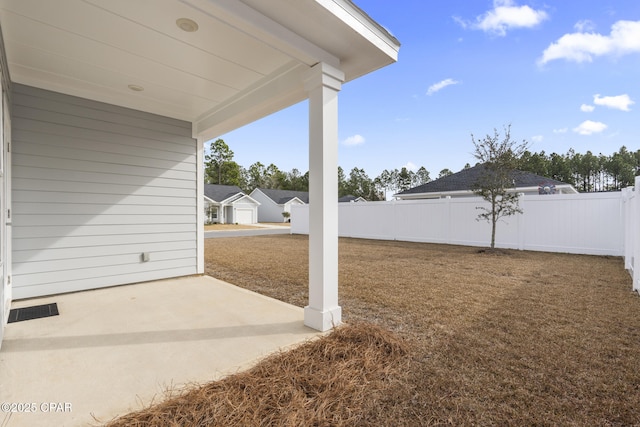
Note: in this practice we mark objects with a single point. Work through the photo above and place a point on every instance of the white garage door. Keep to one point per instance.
(244, 216)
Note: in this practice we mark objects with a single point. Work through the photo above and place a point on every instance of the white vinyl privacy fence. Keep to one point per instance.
(591, 223)
(631, 220)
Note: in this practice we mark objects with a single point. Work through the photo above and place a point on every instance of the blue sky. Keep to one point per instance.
(563, 73)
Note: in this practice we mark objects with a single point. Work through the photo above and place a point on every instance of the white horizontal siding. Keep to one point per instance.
(72, 254)
(268, 211)
(74, 219)
(95, 186)
(40, 173)
(74, 186)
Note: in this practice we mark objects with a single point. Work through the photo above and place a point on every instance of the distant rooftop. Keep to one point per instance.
(283, 196)
(218, 193)
(466, 178)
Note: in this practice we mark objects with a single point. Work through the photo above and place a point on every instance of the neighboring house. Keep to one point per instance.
(106, 107)
(351, 199)
(274, 202)
(227, 204)
(460, 185)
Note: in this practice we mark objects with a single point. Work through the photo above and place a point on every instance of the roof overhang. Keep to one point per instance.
(245, 61)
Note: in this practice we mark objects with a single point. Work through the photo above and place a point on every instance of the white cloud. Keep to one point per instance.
(589, 127)
(504, 16)
(561, 130)
(582, 46)
(587, 108)
(441, 85)
(354, 140)
(537, 138)
(584, 25)
(412, 167)
(620, 102)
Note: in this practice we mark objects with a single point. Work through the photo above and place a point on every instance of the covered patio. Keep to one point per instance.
(114, 350)
(107, 105)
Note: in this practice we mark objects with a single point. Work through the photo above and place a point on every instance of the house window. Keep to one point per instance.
(211, 214)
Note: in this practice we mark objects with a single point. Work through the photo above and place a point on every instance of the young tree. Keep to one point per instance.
(499, 158)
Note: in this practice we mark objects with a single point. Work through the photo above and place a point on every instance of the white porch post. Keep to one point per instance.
(322, 83)
(200, 204)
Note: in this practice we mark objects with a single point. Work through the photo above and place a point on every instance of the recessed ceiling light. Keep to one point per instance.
(136, 88)
(186, 24)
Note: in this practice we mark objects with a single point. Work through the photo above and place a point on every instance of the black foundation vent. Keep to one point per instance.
(35, 312)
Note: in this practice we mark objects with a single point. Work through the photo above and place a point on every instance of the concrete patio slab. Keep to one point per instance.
(111, 351)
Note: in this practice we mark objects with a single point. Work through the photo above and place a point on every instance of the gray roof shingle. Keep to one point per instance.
(283, 196)
(218, 193)
(466, 178)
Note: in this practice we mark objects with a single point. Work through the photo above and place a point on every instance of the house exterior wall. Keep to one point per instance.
(95, 186)
(245, 205)
(268, 211)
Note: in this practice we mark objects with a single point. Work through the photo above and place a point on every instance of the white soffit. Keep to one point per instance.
(245, 60)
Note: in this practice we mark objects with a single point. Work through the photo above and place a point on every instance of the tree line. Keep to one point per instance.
(586, 172)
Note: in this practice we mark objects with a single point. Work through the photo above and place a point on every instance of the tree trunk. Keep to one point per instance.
(493, 231)
(494, 219)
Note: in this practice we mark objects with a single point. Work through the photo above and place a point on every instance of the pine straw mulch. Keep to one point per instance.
(344, 378)
(515, 338)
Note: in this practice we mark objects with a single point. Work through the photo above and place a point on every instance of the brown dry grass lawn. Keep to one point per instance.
(513, 338)
(516, 338)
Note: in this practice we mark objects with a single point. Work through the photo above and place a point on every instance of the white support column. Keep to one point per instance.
(322, 83)
(200, 204)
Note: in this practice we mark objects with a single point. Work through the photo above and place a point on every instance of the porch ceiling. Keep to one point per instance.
(245, 61)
